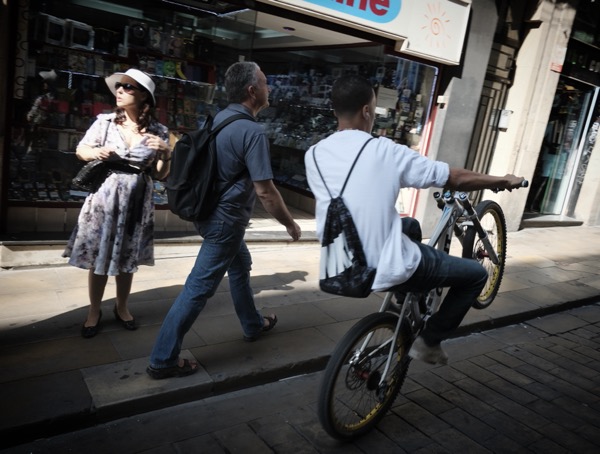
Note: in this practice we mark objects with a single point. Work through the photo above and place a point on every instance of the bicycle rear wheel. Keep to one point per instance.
(353, 398)
(493, 223)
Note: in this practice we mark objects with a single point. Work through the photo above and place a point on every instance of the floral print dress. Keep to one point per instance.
(115, 228)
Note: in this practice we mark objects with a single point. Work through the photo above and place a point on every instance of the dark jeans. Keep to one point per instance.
(465, 277)
(223, 250)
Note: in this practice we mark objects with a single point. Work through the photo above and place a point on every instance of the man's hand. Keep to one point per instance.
(294, 231)
(513, 182)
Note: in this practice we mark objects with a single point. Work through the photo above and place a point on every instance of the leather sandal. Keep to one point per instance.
(272, 321)
(188, 368)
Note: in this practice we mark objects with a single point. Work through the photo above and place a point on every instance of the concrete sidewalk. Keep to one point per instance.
(53, 380)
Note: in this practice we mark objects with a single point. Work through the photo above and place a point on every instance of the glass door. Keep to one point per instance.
(564, 139)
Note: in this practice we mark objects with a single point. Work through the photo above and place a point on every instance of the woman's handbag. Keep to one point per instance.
(91, 176)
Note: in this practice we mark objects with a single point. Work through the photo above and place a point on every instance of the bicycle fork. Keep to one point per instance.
(390, 342)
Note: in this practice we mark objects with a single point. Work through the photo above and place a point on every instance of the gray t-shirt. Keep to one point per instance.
(243, 157)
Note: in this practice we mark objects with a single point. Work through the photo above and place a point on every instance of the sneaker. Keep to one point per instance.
(428, 354)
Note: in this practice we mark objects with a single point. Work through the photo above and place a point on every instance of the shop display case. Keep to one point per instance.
(187, 56)
(65, 91)
(300, 112)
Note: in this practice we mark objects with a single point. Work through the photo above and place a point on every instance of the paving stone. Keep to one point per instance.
(241, 439)
(205, 443)
(44, 399)
(430, 401)
(377, 442)
(567, 439)
(558, 323)
(467, 424)
(466, 402)
(589, 313)
(542, 391)
(471, 370)
(432, 382)
(403, 434)
(556, 415)
(509, 427)
(502, 444)
(275, 431)
(419, 417)
(515, 334)
(530, 359)
(522, 413)
(589, 432)
(592, 348)
(545, 446)
(510, 375)
(579, 409)
(455, 441)
(480, 390)
(449, 374)
(587, 333)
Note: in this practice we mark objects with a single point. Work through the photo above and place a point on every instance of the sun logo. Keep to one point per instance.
(435, 26)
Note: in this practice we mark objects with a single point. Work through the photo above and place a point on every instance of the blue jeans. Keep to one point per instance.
(465, 277)
(223, 250)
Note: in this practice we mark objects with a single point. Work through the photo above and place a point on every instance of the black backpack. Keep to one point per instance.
(344, 269)
(192, 191)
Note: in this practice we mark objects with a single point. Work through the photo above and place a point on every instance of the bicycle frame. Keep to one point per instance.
(457, 214)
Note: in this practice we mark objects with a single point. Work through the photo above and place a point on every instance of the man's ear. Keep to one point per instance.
(366, 111)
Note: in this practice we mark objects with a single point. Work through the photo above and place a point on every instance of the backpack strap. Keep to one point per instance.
(229, 120)
(349, 172)
(215, 131)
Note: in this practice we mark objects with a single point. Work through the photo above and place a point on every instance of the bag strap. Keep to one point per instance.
(215, 131)
(229, 120)
(349, 172)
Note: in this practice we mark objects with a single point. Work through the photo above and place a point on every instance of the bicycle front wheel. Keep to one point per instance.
(493, 223)
(356, 390)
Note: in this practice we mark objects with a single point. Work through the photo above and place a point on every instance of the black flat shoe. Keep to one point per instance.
(90, 331)
(127, 324)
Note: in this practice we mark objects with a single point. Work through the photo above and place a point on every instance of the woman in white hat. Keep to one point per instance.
(115, 229)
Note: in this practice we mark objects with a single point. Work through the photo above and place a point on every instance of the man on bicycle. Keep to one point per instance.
(370, 195)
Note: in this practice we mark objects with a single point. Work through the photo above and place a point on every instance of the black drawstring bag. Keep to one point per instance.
(344, 269)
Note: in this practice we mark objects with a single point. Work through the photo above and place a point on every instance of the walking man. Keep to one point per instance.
(244, 158)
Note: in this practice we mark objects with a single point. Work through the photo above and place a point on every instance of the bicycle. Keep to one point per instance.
(369, 365)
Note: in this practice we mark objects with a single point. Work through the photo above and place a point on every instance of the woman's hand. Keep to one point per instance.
(156, 143)
(91, 153)
(105, 153)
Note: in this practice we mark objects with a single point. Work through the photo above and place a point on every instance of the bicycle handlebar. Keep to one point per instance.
(524, 184)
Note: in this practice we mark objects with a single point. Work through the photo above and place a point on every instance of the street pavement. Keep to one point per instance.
(528, 388)
(53, 381)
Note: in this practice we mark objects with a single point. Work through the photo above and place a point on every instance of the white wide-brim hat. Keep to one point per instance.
(139, 76)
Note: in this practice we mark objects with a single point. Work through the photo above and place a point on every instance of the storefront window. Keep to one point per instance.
(72, 45)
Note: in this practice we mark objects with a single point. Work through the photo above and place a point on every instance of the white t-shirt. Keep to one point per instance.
(370, 195)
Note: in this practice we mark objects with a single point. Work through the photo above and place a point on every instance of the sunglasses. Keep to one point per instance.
(127, 88)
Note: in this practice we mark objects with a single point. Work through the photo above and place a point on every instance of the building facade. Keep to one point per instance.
(473, 83)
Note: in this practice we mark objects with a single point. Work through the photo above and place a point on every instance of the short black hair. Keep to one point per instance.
(350, 93)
